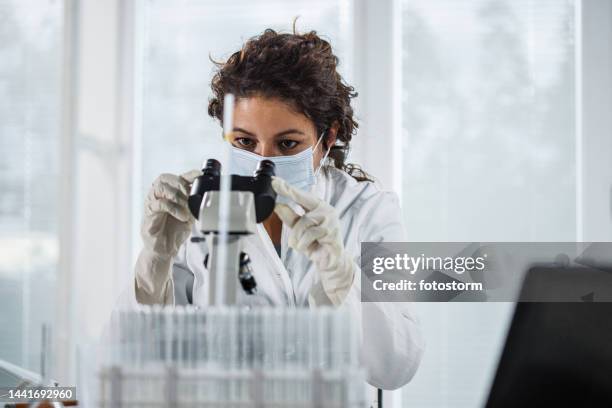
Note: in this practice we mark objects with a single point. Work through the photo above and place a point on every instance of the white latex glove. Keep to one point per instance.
(317, 235)
(167, 221)
(165, 226)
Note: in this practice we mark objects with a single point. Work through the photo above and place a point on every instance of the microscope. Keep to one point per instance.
(251, 200)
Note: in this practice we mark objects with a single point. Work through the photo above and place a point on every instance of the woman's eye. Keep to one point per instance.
(244, 141)
(288, 144)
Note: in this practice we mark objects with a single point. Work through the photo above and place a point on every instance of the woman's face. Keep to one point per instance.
(269, 127)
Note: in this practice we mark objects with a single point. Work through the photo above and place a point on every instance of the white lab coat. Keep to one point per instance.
(392, 344)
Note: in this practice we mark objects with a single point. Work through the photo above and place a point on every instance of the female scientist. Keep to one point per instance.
(293, 108)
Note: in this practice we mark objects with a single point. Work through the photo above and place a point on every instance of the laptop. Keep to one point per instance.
(557, 353)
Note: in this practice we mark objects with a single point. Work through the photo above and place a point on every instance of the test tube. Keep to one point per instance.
(302, 351)
(202, 339)
(167, 335)
(190, 336)
(179, 331)
(210, 338)
(257, 339)
(135, 336)
(156, 334)
(147, 336)
(232, 348)
(123, 334)
(336, 339)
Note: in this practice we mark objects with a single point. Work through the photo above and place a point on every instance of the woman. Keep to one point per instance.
(292, 107)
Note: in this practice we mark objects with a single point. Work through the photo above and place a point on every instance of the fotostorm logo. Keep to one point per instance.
(412, 264)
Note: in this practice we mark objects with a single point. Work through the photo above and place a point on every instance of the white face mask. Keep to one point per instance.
(297, 170)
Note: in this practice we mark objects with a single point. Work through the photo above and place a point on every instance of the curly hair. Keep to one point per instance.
(300, 70)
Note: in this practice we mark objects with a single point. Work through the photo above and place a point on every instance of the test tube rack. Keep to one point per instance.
(231, 357)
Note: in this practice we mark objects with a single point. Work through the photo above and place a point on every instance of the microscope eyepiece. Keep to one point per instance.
(260, 184)
(265, 168)
(212, 168)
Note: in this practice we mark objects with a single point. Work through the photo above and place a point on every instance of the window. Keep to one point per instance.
(30, 108)
(490, 148)
(489, 120)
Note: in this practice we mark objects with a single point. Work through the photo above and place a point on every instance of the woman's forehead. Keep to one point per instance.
(270, 116)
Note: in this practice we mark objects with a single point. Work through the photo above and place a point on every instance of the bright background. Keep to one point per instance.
(491, 118)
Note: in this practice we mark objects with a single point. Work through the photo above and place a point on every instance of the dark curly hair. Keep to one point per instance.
(300, 70)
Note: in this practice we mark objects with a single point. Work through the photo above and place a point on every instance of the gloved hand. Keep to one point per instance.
(165, 226)
(317, 235)
(167, 221)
